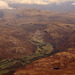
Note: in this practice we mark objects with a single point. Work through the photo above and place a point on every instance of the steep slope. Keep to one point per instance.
(29, 34)
(62, 63)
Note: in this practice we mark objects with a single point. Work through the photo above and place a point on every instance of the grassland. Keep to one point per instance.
(43, 50)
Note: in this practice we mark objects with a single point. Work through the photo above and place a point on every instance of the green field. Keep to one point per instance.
(43, 50)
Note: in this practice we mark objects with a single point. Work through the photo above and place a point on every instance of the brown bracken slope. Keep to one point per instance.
(21, 27)
(62, 63)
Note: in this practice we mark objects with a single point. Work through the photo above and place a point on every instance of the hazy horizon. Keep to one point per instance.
(53, 5)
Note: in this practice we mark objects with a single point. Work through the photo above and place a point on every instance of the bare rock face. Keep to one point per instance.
(62, 63)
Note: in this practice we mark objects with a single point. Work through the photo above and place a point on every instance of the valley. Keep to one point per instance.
(31, 38)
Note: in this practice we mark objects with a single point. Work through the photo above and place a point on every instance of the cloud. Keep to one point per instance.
(73, 3)
(36, 1)
(4, 5)
(27, 1)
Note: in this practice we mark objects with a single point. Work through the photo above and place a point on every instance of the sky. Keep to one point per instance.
(4, 3)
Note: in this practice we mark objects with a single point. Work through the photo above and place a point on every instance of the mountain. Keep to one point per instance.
(27, 35)
(57, 64)
(63, 7)
(52, 5)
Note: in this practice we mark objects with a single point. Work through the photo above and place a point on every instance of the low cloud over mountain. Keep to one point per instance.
(4, 4)
(73, 3)
(36, 1)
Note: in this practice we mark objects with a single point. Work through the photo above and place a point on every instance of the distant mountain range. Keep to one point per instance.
(53, 5)
(42, 2)
(63, 7)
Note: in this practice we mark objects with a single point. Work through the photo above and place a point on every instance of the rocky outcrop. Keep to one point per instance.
(62, 63)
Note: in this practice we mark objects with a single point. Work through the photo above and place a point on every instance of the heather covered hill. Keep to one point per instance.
(27, 15)
(58, 64)
(29, 34)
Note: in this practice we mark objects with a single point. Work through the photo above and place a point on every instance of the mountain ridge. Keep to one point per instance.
(27, 35)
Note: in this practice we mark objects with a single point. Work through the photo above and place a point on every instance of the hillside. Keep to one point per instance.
(29, 34)
(62, 63)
